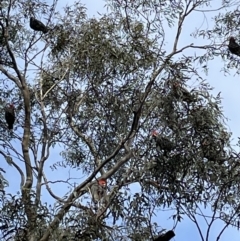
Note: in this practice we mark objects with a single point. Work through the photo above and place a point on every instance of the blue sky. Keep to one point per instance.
(228, 86)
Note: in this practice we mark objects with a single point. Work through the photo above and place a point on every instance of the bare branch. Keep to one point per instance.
(11, 162)
(11, 77)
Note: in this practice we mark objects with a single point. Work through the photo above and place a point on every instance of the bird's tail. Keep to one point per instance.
(10, 126)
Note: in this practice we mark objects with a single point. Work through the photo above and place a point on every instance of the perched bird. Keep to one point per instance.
(233, 47)
(98, 190)
(38, 25)
(182, 93)
(165, 237)
(10, 116)
(162, 142)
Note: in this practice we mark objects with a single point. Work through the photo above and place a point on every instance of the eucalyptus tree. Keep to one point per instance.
(121, 108)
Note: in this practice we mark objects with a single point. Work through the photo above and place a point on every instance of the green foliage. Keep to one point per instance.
(94, 90)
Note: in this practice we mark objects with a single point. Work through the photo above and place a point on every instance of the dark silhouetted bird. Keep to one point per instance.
(38, 25)
(233, 47)
(165, 237)
(162, 142)
(10, 116)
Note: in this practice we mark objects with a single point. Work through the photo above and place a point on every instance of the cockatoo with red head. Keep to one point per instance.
(98, 190)
(162, 142)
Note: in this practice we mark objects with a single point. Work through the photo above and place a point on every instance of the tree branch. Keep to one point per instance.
(11, 162)
(78, 191)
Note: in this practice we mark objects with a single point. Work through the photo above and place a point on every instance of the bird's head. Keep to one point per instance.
(154, 133)
(232, 39)
(11, 106)
(102, 182)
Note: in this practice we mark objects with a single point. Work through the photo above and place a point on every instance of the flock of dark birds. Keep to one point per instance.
(37, 25)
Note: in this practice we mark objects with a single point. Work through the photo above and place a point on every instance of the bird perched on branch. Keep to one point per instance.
(37, 25)
(162, 142)
(182, 93)
(98, 190)
(165, 237)
(10, 116)
(233, 47)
